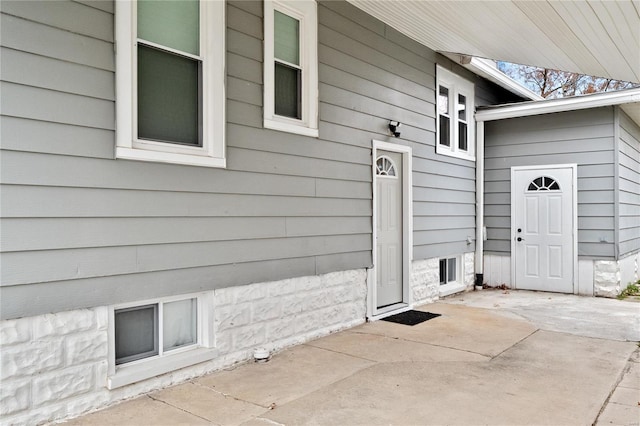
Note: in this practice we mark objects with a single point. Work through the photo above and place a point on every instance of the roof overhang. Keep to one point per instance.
(629, 101)
(486, 68)
(596, 37)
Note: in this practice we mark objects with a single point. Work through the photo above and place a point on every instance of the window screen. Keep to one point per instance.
(136, 334)
(288, 73)
(169, 72)
(168, 97)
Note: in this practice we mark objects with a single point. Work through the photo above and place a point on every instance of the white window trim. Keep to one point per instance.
(453, 286)
(135, 371)
(212, 43)
(456, 85)
(307, 13)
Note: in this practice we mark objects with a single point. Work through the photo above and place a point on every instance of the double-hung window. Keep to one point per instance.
(170, 98)
(455, 121)
(291, 66)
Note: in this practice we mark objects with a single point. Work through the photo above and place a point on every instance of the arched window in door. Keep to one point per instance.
(385, 166)
(543, 183)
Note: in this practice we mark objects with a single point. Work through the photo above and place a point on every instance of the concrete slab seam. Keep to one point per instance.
(625, 370)
(415, 341)
(269, 421)
(338, 352)
(516, 343)
(181, 409)
(227, 395)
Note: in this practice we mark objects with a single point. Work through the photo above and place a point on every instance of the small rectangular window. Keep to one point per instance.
(291, 66)
(179, 324)
(443, 111)
(455, 122)
(448, 270)
(462, 123)
(136, 333)
(151, 330)
(451, 270)
(443, 271)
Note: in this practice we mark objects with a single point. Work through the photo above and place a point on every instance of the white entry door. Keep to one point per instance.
(389, 262)
(543, 228)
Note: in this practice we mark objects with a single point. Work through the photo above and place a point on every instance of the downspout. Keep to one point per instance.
(616, 182)
(479, 256)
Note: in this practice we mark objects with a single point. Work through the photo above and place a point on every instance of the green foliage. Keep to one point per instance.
(633, 289)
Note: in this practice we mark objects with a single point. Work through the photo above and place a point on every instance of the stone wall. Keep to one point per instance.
(55, 366)
(425, 278)
(52, 365)
(606, 278)
(469, 271)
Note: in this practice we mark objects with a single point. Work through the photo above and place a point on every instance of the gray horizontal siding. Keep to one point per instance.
(370, 74)
(629, 183)
(583, 137)
(74, 218)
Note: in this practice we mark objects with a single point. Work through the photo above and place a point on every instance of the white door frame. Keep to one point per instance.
(373, 312)
(574, 231)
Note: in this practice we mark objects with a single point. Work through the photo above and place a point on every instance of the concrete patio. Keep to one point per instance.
(493, 357)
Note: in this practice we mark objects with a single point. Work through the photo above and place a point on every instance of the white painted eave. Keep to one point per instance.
(486, 68)
(595, 37)
(628, 99)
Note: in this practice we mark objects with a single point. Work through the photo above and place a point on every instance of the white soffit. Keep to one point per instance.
(597, 37)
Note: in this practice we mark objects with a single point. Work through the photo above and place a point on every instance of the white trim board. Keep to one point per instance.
(487, 68)
(549, 106)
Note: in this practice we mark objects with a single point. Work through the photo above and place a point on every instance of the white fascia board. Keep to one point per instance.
(486, 68)
(559, 105)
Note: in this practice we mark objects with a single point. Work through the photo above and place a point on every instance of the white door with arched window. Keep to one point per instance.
(543, 227)
(389, 262)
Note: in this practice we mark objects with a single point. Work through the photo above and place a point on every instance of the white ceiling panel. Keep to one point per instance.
(598, 37)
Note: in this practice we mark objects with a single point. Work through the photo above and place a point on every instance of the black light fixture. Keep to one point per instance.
(393, 128)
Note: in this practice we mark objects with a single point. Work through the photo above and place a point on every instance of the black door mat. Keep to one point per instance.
(411, 317)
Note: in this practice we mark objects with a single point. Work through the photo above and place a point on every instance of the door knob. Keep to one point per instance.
(520, 239)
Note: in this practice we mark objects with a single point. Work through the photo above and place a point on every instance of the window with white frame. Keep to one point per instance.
(448, 271)
(291, 66)
(455, 121)
(170, 99)
(154, 337)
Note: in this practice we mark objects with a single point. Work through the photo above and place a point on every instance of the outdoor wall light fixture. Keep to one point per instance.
(393, 128)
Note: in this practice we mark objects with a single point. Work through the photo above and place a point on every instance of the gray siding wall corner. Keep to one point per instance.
(629, 185)
(584, 137)
(81, 229)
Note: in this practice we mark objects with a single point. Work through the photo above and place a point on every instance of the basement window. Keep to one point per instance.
(451, 277)
(156, 337)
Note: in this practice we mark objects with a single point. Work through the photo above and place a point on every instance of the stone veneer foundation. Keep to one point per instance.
(611, 277)
(425, 278)
(55, 366)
